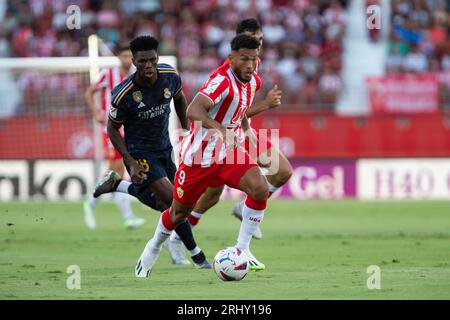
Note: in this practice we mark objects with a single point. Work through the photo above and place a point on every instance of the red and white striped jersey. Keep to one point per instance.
(231, 98)
(108, 79)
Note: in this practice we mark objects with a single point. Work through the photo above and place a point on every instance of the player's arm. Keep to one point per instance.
(116, 118)
(272, 100)
(245, 125)
(117, 140)
(198, 111)
(137, 172)
(180, 103)
(96, 111)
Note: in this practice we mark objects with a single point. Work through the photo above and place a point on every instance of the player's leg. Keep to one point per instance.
(112, 182)
(278, 168)
(123, 200)
(163, 190)
(249, 179)
(254, 184)
(89, 205)
(189, 184)
(208, 200)
(166, 225)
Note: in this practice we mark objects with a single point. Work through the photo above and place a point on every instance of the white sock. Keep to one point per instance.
(272, 188)
(123, 202)
(195, 251)
(154, 244)
(175, 237)
(93, 202)
(251, 219)
(241, 205)
(123, 186)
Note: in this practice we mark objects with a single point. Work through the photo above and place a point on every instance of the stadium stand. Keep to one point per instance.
(303, 38)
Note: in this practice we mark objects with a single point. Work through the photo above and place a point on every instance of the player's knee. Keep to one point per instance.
(178, 216)
(259, 191)
(284, 174)
(165, 200)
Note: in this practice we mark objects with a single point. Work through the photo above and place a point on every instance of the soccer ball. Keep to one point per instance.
(231, 264)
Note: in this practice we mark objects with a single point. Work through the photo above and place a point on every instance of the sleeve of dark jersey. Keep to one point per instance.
(117, 108)
(178, 85)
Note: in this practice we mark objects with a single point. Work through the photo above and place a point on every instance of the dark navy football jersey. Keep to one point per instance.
(144, 111)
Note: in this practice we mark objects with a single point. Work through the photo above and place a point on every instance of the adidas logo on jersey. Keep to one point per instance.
(141, 105)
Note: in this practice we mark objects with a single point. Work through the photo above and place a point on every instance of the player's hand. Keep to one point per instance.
(137, 172)
(252, 139)
(273, 97)
(230, 137)
(100, 118)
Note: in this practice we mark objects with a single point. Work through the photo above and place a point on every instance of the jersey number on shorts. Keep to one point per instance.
(181, 177)
(144, 164)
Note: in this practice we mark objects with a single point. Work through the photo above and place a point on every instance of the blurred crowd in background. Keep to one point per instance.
(419, 39)
(303, 39)
(302, 50)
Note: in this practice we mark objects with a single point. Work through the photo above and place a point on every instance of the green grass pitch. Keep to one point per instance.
(312, 250)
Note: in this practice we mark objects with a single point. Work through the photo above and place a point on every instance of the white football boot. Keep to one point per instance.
(143, 271)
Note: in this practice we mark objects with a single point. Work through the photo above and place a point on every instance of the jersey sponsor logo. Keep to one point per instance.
(141, 105)
(167, 93)
(154, 112)
(180, 192)
(137, 96)
(113, 112)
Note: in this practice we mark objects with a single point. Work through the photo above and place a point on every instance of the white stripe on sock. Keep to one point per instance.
(123, 186)
(272, 188)
(196, 214)
(195, 251)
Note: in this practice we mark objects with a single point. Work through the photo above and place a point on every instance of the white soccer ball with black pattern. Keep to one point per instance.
(231, 264)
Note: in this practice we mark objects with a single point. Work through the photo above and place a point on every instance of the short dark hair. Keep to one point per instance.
(143, 43)
(121, 47)
(244, 41)
(250, 25)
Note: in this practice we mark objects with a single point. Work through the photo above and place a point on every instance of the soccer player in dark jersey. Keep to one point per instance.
(141, 104)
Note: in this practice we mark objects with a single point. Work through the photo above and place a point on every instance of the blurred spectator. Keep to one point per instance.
(302, 50)
(419, 41)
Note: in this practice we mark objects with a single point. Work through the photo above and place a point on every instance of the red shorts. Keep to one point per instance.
(110, 152)
(262, 146)
(191, 182)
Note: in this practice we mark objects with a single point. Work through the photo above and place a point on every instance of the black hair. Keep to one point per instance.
(121, 47)
(250, 25)
(244, 41)
(143, 43)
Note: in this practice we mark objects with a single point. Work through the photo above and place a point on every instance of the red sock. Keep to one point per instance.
(167, 220)
(255, 204)
(193, 220)
(270, 193)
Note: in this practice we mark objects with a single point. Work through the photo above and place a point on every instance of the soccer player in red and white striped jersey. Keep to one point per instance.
(211, 153)
(279, 168)
(108, 79)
